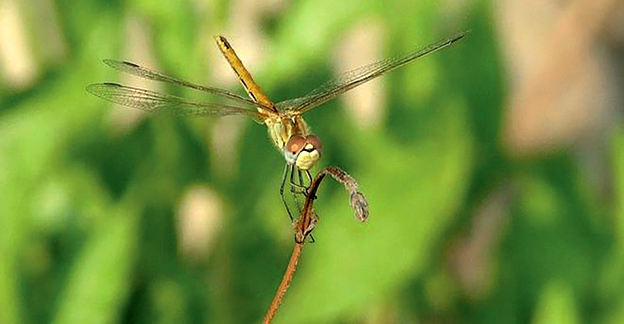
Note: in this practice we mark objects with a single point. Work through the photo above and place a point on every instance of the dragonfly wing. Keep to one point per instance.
(142, 72)
(153, 102)
(354, 78)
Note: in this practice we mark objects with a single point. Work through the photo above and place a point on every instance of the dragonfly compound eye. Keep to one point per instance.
(295, 144)
(293, 147)
(314, 142)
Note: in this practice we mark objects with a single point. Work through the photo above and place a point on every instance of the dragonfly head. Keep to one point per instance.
(302, 151)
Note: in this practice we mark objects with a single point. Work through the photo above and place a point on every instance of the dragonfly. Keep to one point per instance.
(287, 129)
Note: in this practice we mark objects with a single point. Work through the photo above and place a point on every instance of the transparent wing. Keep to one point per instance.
(354, 78)
(146, 73)
(153, 101)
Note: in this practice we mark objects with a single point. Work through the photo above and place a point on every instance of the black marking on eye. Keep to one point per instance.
(305, 148)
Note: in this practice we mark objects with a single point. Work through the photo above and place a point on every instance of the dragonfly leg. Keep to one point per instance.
(302, 183)
(284, 176)
(300, 174)
(307, 172)
(305, 192)
(297, 187)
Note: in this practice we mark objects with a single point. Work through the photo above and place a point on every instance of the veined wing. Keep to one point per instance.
(146, 73)
(153, 101)
(354, 78)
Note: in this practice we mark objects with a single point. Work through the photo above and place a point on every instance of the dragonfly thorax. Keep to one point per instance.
(302, 151)
(282, 128)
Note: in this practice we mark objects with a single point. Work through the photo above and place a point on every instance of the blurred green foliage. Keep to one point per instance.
(88, 217)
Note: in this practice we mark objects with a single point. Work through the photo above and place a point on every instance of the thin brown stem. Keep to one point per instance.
(306, 224)
(281, 290)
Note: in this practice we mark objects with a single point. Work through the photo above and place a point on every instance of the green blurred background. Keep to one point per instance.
(494, 169)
